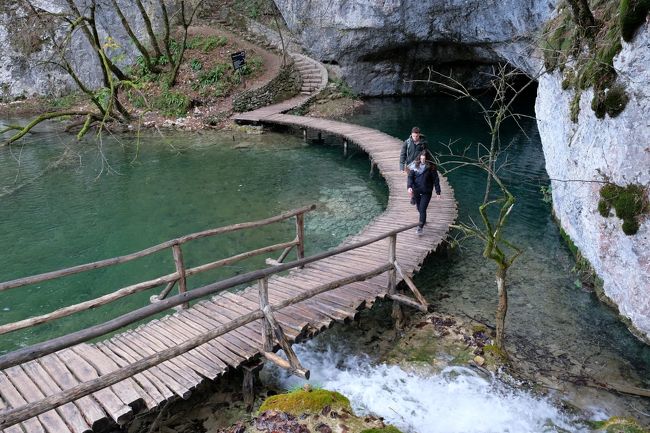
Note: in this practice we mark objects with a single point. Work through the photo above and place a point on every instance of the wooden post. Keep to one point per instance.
(392, 273)
(372, 168)
(267, 332)
(300, 235)
(397, 314)
(345, 147)
(251, 371)
(304, 135)
(180, 269)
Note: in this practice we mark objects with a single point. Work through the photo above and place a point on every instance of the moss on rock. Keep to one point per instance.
(632, 15)
(387, 429)
(629, 203)
(302, 401)
(617, 425)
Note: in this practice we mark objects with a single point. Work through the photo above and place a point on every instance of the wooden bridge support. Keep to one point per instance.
(251, 373)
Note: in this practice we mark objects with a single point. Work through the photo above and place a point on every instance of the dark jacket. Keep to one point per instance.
(424, 182)
(410, 151)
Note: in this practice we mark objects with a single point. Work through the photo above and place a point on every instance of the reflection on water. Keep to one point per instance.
(66, 204)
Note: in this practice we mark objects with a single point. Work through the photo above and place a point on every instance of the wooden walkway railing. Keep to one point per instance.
(66, 385)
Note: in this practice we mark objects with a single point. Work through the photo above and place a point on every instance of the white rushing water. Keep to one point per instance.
(458, 400)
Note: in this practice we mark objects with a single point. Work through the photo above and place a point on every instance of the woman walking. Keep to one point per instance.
(422, 178)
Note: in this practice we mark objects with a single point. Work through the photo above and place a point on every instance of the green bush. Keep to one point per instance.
(173, 104)
(632, 15)
(213, 76)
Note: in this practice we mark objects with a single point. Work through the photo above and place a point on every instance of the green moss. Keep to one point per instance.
(498, 355)
(604, 208)
(387, 429)
(462, 358)
(301, 401)
(632, 15)
(173, 104)
(575, 106)
(591, 57)
(478, 328)
(629, 203)
(615, 100)
(617, 425)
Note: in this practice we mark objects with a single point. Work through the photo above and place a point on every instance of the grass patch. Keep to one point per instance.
(301, 401)
(169, 103)
(206, 43)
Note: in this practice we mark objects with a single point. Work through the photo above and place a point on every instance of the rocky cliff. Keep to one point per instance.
(380, 44)
(29, 53)
(580, 155)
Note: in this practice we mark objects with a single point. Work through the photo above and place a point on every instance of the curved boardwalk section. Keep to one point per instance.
(177, 377)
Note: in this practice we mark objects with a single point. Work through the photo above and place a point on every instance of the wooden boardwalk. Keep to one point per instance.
(177, 377)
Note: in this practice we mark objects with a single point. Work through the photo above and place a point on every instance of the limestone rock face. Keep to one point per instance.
(590, 150)
(380, 44)
(28, 50)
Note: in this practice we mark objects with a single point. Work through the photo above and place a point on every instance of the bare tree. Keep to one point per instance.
(107, 102)
(491, 228)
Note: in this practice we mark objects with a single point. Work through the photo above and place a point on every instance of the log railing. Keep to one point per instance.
(271, 330)
(179, 276)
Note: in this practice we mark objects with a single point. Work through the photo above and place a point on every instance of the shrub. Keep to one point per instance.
(206, 44)
(173, 104)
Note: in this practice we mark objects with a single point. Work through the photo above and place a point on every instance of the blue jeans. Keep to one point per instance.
(422, 202)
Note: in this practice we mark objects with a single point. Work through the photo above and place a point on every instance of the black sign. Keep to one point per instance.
(238, 59)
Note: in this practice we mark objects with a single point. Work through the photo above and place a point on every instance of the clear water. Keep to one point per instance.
(556, 330)
(65, 204)
(554, 327)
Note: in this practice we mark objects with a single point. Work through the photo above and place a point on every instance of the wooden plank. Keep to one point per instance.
(249, 334)
(240, 342)
(90, 408)
(125, 390)
(209, 350)
(144, 345)
(217, 346)
(202, 364)
(25, 391)
(143, 385)
(155, 375)
(83, 371)
(14, 428)
(229, 342)
(250, 299)
(69, 412)
(165, 372)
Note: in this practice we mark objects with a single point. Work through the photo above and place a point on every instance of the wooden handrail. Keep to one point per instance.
(151, 250)
(41, 349)
(13, 416)
(135, 288)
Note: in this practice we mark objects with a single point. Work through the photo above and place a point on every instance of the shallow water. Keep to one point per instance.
(95, 203)
(557, 330)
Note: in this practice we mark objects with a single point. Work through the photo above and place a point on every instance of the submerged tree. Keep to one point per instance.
(107, 102)
(498, 201)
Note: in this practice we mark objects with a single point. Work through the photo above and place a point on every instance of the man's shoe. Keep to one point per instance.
(418, 230)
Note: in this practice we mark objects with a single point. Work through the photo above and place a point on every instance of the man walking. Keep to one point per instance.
(412, 147)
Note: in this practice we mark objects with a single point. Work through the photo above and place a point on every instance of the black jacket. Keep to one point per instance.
(424, 182)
